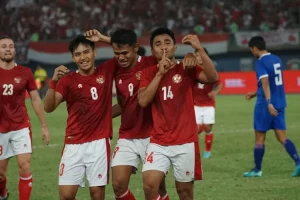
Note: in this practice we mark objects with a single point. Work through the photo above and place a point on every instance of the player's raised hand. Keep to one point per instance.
(94, 35)
(189, 61)
(60, 72)
(272, 110)
(45, 134)
(250, 95)
(164, 64)
(192, 40)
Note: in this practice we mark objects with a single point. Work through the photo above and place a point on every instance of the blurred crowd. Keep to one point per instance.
(36, 20)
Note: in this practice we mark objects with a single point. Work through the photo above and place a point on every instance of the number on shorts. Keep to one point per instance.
(61, 170)
(149, 158)
(115, 151)
(1, 150)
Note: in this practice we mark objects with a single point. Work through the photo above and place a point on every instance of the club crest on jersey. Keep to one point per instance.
(138, 75)
(79, 85)
(100, 79)
(17, 80)
(177, 78)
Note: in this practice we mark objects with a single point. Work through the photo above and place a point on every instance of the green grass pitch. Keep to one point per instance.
(232, 155)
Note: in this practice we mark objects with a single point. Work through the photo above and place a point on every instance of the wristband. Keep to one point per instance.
(52, 84)
(269, 101)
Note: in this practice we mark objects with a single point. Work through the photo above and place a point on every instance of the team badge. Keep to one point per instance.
(177, 78)
(17, 80)
(79, 85)
(138, 75)
(100, 79)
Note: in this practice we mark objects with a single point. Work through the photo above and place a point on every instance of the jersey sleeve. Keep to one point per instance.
(146, 77)
(62, 87)
(111, 66)
(30, 86)
(260, 70)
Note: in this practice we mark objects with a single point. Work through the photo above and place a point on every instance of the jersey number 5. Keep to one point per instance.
(8, 89)
(278, 77)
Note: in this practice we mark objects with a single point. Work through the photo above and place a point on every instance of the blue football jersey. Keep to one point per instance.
(269, 65)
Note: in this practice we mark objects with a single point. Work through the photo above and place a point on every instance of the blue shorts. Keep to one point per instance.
(264, 121)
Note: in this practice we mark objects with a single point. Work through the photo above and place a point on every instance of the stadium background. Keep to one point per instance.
(42, 28)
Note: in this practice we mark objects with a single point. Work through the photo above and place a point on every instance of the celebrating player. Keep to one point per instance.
(15, 133)
(88, 94)
(168, 88)
(205, 105)
(269, 112)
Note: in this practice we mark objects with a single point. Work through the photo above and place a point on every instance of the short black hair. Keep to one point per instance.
(258, 42)
(2, 37)
(141, 51)
(123, 36)
(161, 31)
(80, 39)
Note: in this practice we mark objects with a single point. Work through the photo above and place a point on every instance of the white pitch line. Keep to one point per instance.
(216, 132)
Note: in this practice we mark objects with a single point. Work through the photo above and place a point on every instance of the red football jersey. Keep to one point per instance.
(173, 106)
(13, 86)
(201, 92)
(136, 122)
(89, 102)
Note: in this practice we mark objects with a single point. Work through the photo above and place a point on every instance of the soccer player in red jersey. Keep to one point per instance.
(204, 100)
(15, 134)
(88, 95)
(168, 88)
(136, 122)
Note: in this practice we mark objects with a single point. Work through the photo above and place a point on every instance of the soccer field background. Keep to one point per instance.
(232, 155)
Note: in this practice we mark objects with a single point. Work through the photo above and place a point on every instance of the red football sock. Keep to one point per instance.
(3, 187)
(157, 198)
(209, 141)
(165, 197)
(25, 186)
(126, 196)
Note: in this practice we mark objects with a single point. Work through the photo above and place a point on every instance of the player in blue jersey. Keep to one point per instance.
(269, 112)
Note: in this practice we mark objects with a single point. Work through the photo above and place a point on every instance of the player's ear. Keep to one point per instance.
(136, 47)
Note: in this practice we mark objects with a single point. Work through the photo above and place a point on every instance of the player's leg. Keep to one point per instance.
(141, 146)
(71, 171)
(187, 168)
(198, 116)
(155, 167)
(97, 162)
(21, 145)
(209, 120)
(125, 160)
(5, 153)
(280, 132)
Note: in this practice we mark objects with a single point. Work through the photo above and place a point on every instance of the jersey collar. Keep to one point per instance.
(265, 54)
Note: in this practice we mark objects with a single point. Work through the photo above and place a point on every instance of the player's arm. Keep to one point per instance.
(219, 87)
(117, 109)
(53, 98)
(148, 90)
(209, 74)
(95, 36)
(267, 93)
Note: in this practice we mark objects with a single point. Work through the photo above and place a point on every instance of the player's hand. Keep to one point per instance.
(164, 64)
(272, 110)
(189, 61)
(60, 72)
(192, 40)
(94, 35)
(45, 134)
(250, 95)
(212, 94)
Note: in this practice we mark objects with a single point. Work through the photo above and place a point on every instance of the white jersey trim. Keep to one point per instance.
(263, 76)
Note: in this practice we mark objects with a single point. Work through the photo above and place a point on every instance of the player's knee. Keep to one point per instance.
(185, 193)
(208, 129)
(24, 167)
(119, 187)
(97, 193)
(2, 176)
(150, 188)
(66, 197)
(162, 189)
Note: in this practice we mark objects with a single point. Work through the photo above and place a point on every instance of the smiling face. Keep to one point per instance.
(84, 57)
(125, 54)
(162, 43)
(7, 50)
